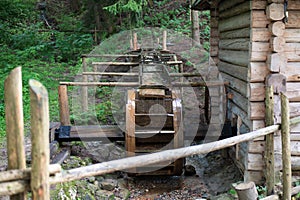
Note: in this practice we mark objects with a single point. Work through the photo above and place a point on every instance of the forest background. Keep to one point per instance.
(47, 38)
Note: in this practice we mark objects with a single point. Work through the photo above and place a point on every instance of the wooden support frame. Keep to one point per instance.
(64, 112)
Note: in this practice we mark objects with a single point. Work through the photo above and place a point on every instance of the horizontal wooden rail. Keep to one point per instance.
(111, 84)
(108, 55)
(173, 62)
(116, 63)
(17, 174)
(110, 73)
(139, 161)
(198, 84)
(185, 75)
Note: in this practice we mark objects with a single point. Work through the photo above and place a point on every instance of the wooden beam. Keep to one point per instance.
(116, 63)
(109, 74)
(64, 111)
(111, 84)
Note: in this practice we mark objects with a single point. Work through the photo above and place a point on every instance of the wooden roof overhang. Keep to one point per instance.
(201, 5)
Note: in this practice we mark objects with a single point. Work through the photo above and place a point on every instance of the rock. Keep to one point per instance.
(109, 184)
(222, 197)
(124, 194)
(189, 170)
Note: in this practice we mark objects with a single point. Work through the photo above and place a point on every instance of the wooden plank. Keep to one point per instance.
(276, 62)
(255, 162)
(110, 74)
(293, 5)
(292, 71)
(258, 4)
(256, 176)
(260, 34)
(235, 22)
(224, 5)
(259, 19)
(256, 92)
(258, 124)
(235, 70)
(238, 111)
(152, 92)
(239, 100)
(110, 84)
(294, 20)
(116, 63)
(40, 141)
(258, 71)
(293, 56)
(256, 110)
(278, 81)
(235, 57)
(236, 10)
(292, 47)
(260, 46)
(258, 56)
(235, 44)
(236, 84)
(238, 33)
(14, 123)
(293, 91)
(292, 35)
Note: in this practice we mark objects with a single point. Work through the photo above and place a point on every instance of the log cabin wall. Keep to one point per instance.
(234, 22)
(253, 47)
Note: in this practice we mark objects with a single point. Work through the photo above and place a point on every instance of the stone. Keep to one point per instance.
(189, 170)
(109, 184)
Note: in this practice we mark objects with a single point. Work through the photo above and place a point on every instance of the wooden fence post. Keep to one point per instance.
(64, 112)
(135, 42)
(286, 148)
(40, 141)
(164, 41)
(269, 151)
(84, 89)
(15, 123)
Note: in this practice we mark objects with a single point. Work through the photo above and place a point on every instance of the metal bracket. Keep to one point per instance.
(62, 132)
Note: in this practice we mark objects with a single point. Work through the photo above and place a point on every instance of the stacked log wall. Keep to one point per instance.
(233, 53)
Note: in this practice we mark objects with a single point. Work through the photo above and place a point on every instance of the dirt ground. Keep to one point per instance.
(214, 176)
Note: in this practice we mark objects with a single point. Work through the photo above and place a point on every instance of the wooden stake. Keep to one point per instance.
(135, 42)
(164, 41)
(15, 123)
(40, 141)
(269, 152)
(246, 191)
(84, 90)
(64, 112)
(286, 148)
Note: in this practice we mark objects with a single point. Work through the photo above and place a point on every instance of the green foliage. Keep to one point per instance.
(262, 191)
(134, 6)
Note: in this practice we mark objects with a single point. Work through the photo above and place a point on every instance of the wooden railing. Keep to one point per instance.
(18, 180)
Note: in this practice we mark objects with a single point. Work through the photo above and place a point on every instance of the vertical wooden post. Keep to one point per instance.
(206, 105)
(15, 123)
(286, 148)
(64, 112)
(40, 141)
(269, 151)
(164, 41)
(135, 43)
(84, 90)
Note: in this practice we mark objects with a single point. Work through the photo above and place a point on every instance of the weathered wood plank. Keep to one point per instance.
(258, 4)
(235, 70)
(292, 35)
(236, 22)
(259, 19)
(241, 44)
(260, 35)
(293, 5)
(256, 110)
(238, 33)
(258, 56)
(258, 71)
(236, 10)
(276, 62)
(293, 91)
(256, 91)
(292, 47)
(292, 71)
(236, 84)
(294, 20)
(64, 111)
(234, 57)
(224, 5)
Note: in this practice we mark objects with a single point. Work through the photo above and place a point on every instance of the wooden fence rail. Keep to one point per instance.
(40, 172)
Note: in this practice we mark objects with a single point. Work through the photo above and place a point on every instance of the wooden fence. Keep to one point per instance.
(18, 180)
